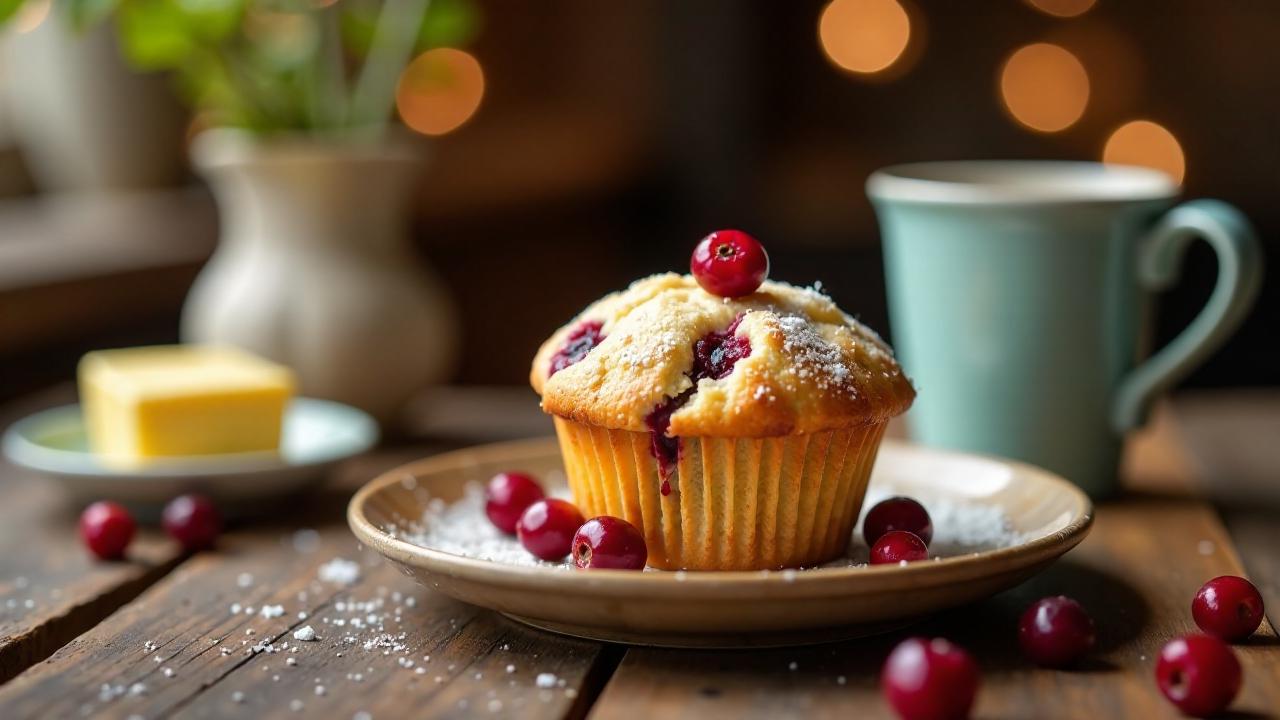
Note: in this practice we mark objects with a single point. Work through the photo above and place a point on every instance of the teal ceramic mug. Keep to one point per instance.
(1019, 297)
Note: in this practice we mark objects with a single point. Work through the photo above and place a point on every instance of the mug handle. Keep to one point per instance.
(1159, 264)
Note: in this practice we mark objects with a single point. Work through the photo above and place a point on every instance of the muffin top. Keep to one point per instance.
(666, 356)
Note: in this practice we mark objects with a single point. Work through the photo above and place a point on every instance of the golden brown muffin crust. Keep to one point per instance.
(811, 366)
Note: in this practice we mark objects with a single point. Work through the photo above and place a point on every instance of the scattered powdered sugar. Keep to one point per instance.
(461, 528)
(340, 571)
(305, 634)
(813, 356)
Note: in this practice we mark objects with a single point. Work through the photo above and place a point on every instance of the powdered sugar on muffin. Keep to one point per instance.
(794, 363)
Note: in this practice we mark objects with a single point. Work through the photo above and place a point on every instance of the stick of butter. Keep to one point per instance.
(180, 400)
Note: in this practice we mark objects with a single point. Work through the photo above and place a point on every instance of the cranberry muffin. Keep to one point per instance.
(737, 433)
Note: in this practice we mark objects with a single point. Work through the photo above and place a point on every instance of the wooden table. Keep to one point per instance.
(161, 635)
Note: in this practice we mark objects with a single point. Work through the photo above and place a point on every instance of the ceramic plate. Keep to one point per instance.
(1047, 515)
(317, 433)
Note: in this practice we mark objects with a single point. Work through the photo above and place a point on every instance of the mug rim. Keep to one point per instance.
(1015, 182)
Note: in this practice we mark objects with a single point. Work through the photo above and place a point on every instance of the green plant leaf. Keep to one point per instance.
(356, 24)
(449, 23)
(84, 14)
(9, 8)
(154, 34)
(212, 20)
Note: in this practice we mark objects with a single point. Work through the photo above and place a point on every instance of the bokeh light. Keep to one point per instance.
(440, 90)
(1143, 142)
(1062, 8)
(864, 36)
(31, 15)
(1044, 87)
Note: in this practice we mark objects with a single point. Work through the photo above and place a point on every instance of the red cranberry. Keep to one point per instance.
(192, 520)
(1055, 631)
(546, 528)
(897, 546)
(715, 355)
(507, 496)
(1229, 607)
(581, 341)
(897, 513)
(609, 543)
(106, 529)
(729, 263)
(929, 680)
(664, 448)
(1198, 674)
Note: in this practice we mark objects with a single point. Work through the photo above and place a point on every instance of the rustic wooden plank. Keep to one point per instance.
(1232, 437)
(1137, 572)
(51, 589)
(373, 637)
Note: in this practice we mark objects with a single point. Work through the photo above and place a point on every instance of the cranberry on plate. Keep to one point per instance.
(898, 546)
(607, 543)
(1055, 631)
(1198, 674)
(729, 263)
(507, 496)
(897, 513)
(106, 529)
(192, 520)
(546, 528)
(1228, 607)
(930, 680)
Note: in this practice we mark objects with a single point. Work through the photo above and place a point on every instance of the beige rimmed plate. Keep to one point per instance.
(730, 609)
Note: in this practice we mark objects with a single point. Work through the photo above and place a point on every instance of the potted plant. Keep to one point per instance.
(295, 103)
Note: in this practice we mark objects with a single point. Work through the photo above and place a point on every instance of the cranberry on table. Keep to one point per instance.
(507, 496)
(192, 520)
(898, 546)
(1228, 607)
(546, 528)
(609, 543)
(1055, 632)
(106, 529)
(729, 263)
(1199, 674)
(930, 680)
(897, 513)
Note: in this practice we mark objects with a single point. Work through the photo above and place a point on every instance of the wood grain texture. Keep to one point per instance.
(179, 650)
(1231, 436)
(1137, 573)
(51, 589)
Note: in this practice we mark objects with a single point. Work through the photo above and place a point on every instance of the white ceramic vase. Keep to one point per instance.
(84, 120)
(314, 267)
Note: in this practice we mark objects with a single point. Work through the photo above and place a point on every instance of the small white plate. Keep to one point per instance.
(317, 434)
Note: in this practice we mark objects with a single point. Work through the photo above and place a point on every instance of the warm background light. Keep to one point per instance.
(1142, 142)
(1062, 8)
(440, 90)
(864, 36)
(31, 15)
(1044, 87)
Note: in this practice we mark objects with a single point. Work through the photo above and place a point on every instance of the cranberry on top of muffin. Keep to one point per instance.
(779, 361)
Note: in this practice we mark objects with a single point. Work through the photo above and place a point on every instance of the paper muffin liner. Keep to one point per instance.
(734, 503)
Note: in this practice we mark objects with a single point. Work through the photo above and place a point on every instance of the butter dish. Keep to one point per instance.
(316, 435)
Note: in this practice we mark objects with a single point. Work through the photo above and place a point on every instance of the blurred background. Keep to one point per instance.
(570, 147)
